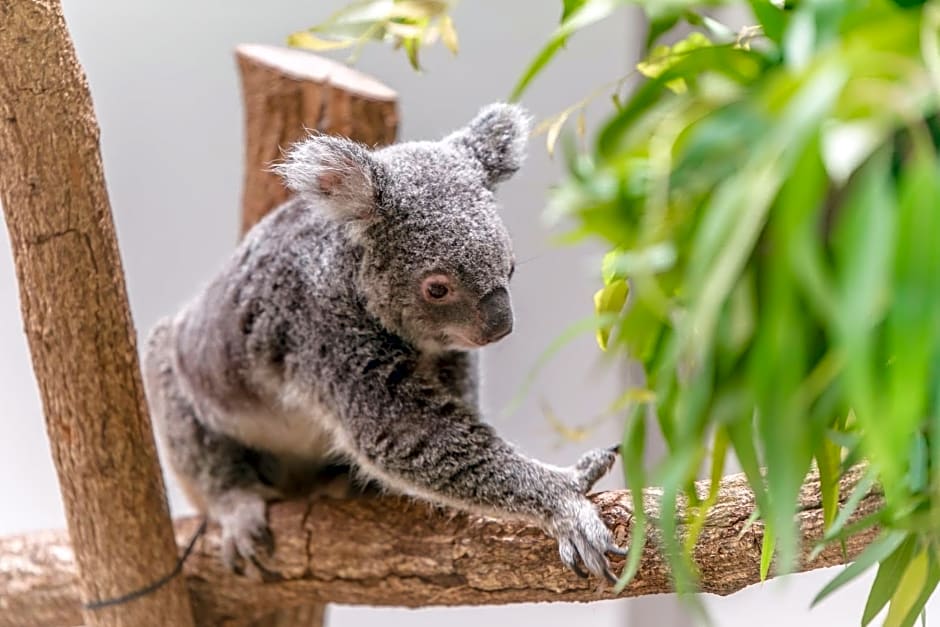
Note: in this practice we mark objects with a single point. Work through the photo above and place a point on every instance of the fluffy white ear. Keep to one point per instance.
(335, 173)
(496, 138)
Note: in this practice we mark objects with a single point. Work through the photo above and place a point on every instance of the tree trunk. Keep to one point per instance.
(393, 551)
(79, 329)
(288, 93)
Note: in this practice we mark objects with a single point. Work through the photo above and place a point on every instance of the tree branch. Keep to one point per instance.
(393, 551)
(78, 325)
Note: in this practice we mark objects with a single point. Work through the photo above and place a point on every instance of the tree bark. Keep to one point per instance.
(393, 551)
(288, 93)
(80, 332)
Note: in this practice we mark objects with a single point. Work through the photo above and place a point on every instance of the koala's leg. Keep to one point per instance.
(413, 434)
(224, 480)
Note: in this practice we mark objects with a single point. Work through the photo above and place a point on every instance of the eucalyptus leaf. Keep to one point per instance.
(876, 552)
(889, 576)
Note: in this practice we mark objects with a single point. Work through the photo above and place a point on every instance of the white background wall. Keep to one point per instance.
(167, 98)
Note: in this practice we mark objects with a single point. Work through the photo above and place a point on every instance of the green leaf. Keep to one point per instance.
(449, 34)
(609, 300)
(665, 57)
(309, 41)
(408, 24)
(827, 462)
(865, 523)
(874, 553)
(918, 607)
(699, 513)
(652, 259)
(912, 325)
(609, 271)
(735, 64)
(863, 259)
(672, 478)
(659, 26)
(917, 473)
(886, 581)
(634, 446)
(411, 46)
(535, 67)
(908, 591)
(569, 7)
(581, 15)
(766, 552)
(800, 206)
(741, 432)
(859, 492)
(771, 18)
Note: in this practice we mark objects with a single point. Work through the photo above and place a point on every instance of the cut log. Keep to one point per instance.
(393, 551)
(78, 325)
(288, 93)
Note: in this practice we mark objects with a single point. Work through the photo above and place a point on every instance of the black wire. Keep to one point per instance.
(156, 585)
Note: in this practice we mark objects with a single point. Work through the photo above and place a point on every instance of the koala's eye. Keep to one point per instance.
(436, 288)
(437, 291)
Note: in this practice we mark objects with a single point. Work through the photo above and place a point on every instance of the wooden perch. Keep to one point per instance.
(288, 93)
(78, 325)
(394, 551)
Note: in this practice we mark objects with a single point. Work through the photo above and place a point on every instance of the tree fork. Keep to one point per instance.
(78, 325)
(398, 552)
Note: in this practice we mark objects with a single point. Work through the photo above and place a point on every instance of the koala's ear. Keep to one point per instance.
(332, 172)
(496, 138)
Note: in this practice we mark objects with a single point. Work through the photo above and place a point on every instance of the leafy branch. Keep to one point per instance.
(771, 202)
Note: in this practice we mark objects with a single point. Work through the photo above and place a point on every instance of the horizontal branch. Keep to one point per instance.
(394, 551)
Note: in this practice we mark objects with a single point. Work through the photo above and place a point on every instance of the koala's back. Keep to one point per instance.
(238, 348)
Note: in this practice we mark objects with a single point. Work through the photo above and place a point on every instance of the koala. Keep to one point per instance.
(341, 334)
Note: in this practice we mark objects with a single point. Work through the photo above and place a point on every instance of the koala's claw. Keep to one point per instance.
(619, 551)
(245, 533)
(583, 538)
(570, 558)
(592, 466)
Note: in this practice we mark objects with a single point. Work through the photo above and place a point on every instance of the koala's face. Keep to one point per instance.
(437, 259)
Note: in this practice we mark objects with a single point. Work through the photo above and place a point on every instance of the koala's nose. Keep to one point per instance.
(496, 314)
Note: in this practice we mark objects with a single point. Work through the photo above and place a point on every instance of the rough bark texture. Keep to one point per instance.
(289, 93)
(80, 333)
(392, 551)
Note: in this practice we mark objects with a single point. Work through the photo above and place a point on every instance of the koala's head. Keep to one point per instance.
(436, 256)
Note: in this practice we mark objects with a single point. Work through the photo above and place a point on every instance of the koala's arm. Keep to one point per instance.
(414, 434)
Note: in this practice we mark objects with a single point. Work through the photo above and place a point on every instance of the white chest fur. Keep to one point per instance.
(303, 434)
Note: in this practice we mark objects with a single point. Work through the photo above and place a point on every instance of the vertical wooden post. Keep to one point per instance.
(287, 94)
(78, 323)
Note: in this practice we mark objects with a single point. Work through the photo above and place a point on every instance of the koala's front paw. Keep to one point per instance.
(584, 538)
(245, 532)
(592, 466)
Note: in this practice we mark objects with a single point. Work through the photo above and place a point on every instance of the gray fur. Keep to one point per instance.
(323, 342)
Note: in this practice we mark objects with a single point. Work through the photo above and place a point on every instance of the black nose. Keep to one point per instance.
(496, 314)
